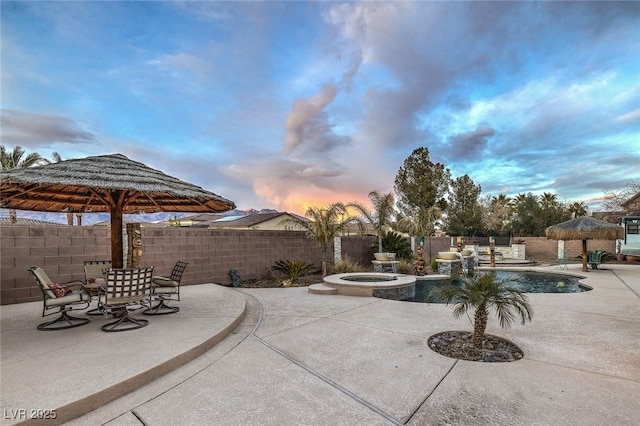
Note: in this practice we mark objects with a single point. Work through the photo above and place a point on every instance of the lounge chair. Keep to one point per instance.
(60, 299)
(165, 289)
(125, 289)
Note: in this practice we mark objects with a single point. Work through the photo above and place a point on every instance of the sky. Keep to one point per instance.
(288, 105)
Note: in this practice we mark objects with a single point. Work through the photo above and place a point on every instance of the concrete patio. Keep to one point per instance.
(288, 357)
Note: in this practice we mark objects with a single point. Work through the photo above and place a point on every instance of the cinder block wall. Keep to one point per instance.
(542, 248)
(211, 253)
(60, 250)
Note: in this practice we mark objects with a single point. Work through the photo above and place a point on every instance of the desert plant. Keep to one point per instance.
(395, 243)
(345, 265)
(324, 225)
(481, 293)
(292, 269)
(405, 267)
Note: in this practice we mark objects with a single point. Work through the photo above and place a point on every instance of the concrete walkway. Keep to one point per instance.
(300, 358)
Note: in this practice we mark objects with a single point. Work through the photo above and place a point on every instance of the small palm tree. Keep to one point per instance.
(381, 215)
(324, 224)
(481, 293)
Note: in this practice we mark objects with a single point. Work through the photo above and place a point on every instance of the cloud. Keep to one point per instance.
(307, 123)
(175, 63)
(30, 129)
(469, 145)
(630, 117)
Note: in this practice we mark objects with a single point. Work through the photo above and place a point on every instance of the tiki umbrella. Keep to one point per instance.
(584, 228)
(104, 183)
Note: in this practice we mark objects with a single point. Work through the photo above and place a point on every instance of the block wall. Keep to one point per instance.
(211, 253)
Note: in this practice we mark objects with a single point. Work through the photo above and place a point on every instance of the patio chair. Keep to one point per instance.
(125, 289)
(595, 258)
(561, 262)
(165, 289)
(60, 299)
(95, 272)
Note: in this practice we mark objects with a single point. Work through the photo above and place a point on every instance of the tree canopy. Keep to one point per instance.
(421, 184)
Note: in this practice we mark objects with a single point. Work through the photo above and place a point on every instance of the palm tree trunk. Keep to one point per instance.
(479, 326)
(13, 216)
(70, 219)
(79, 218)
(324, 260)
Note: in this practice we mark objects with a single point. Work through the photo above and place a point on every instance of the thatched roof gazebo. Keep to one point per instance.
(584, 228)
(104, 183)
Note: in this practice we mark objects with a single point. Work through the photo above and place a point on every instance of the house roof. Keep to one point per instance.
(635, 199)
(4, 221)
(247, 221)
(202, 217)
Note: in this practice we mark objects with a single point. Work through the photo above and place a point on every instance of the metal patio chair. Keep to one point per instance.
(61, 299)
(125, 289)
(95, 275)
(165, 289)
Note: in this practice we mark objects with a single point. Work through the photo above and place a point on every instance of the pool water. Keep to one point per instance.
(369, 278)
(526, 281)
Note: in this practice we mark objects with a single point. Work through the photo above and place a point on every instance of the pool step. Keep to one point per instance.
(321, 288)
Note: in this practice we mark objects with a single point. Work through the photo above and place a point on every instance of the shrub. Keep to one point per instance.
(405, 267)
(392, 242)
(434, 265)
(344, 266)
(292, 270)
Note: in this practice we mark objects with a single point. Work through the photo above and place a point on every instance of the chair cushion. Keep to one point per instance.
(164, 282)
(160, 289)
(73, 297)
(59, 290)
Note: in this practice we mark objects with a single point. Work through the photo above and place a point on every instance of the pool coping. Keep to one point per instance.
(358, 288)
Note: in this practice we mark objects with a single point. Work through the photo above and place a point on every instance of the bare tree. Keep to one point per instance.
(614, 199)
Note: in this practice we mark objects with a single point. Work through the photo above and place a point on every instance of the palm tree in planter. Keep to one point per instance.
(482, 293)
(324, 224)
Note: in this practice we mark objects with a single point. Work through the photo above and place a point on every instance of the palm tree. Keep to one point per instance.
(381, 215)
(421, 223)
(481, 293)
(501, 209)
(577, 209)
(16, 160)
(56, 159)
(548, 199)
(324, 224)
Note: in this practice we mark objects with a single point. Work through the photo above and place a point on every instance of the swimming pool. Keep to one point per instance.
(526, 281)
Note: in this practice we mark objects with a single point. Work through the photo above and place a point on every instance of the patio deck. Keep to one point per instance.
(300, 358)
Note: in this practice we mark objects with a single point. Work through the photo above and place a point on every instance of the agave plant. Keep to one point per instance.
(481, 293)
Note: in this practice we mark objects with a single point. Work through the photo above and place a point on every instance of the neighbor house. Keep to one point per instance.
(631, 223)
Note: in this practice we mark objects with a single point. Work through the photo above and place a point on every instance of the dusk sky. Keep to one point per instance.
(287, 105)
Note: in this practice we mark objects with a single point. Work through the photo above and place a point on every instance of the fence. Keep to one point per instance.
(211, 253)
